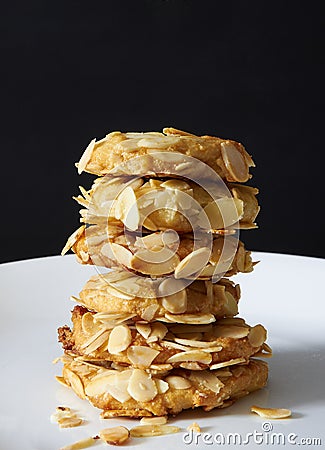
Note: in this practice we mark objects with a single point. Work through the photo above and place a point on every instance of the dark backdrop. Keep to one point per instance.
(74, 70)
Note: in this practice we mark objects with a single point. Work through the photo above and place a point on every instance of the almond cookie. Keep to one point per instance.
(166, 153)
(202, 256)
(125, 294)
(145, 345)
(160, 204)
(139, 393)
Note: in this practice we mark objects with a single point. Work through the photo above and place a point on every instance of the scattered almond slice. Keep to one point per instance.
(178, 382)
(153, 420)
(119, 339)
(84, 443)
(141, 387)
(74, 381)
(141, 356)
(61, 380)
(153, 430)
(115, 435)
(271, 413)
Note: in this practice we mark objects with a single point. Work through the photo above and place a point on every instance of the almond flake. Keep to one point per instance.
(115, 435)
(141, 356)
(69, 422)
(119, 339)
(88, 325)
(86, 156)
(144, 329)
(177, 382)
(192, 355)
(74, 381)
(122, 255)
(161, 385)
(141, 387)
(126, 209)
(208, 380)
(160, 420)
(195, 319)
(73, 239)
(159, 268)
(175, 303)
(149, 313)
(257, 336)
(193, 263)
(103, 338)
(234, 161)
(271, 413)
(79, 445)
(200, 344)
(158, 330)
(153, 430)
(194, 427)
(230, 362)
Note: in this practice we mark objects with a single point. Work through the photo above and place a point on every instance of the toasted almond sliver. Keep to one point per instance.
(155, 269)
(193, 355)
(141, 387)
(257, 335)
(178, 382)
(271, 413)
(141, 356)
(87, 323)
(126, 208)
(149, 313)
(153, 420)
(234, 161)
(158, 330)
(231, 331)
(200, 344)
(144, 329)
(191, 366)
(119, 339)
(122, 255)
(195, 319)
(61, 380)
(115, 435)
(153, 430)
(161, 385)
(175, 303)
(230, 362)
(208, 379)
(193, 263)
(103, 338)
(79, 445)
(73, 239)
(70, 422)
(85, 158)
(74, 381)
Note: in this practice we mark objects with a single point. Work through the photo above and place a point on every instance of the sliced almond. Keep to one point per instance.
(115, 435)
(191, 365)
(141, 356)
(230, 362)
(192, 355)
(178, 382)
(144, 329)
(121, 254)
(149, 313)
(193, 263)
(207, 379)
(103, 338)
(74, 381)
(158, 141)
(86, 156)
(175, 303)
(194, 427)
(175, 184)
(83, 443)
(73, 239)
(199, 344)
(61, 380)
(196, 319)
(234, 161)
(231, 331)
(153, 430)
(155, 269)
(119, 339)
(70, 422)
(224, 212)
(161, 385)
(114, 384)
(257, 336)
(88, 325)
(271, 413)
(126, 209)
(141, 387)
(158, 330)
(160, 420)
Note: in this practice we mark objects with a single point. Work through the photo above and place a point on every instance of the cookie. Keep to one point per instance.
(121, 292)
(161, 204)
(166, 153)
(202, 256)
(143, 345)
(137, 393)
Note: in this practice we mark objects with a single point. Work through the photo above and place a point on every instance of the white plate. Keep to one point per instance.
(285, 293)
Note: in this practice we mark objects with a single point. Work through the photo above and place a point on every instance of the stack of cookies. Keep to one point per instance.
(155, 331)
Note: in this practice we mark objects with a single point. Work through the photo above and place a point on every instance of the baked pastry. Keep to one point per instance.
(137, 393)
(166, 153)
(121, 292)
(160, 204)
(143, 345)
(202, 256)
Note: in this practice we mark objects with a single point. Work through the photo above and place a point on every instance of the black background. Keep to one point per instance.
(249, 71)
